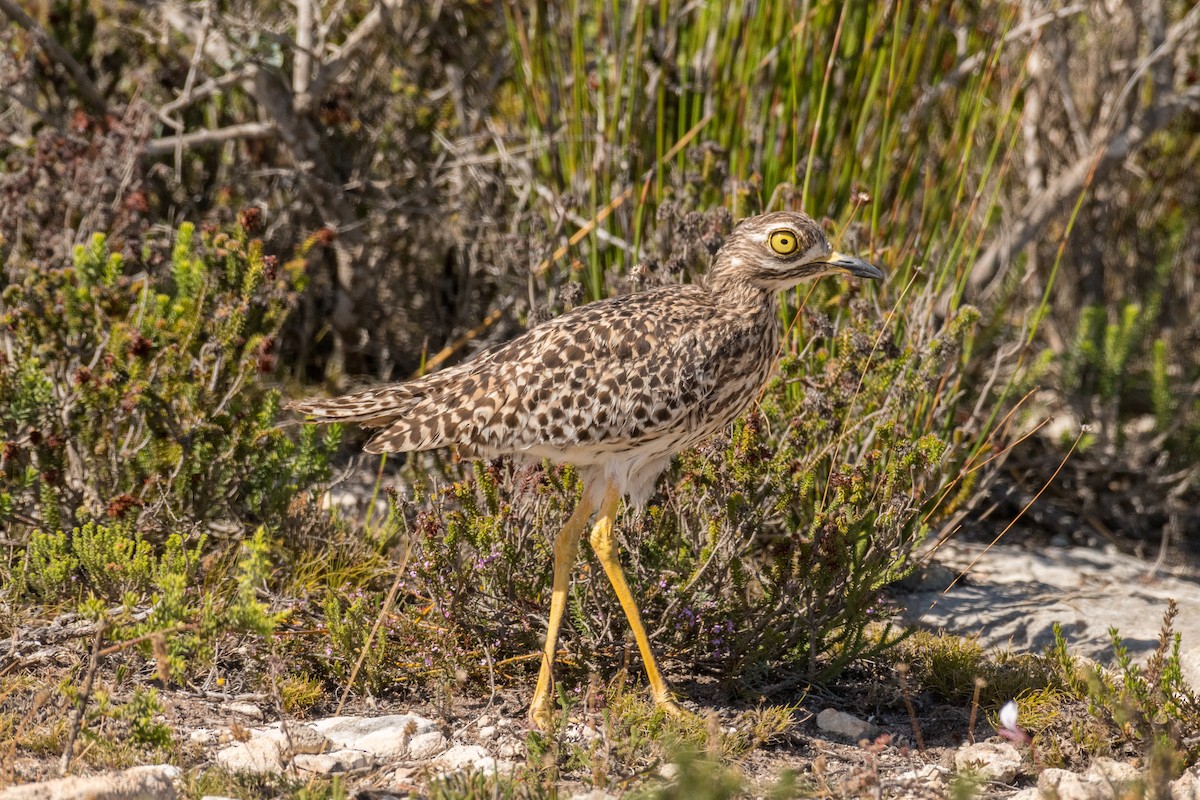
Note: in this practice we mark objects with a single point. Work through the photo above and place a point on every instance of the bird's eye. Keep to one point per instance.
(783, 242)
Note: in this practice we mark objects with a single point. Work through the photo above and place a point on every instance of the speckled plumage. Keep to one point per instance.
(615, 386)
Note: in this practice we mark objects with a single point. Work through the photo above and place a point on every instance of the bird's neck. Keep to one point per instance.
(731, 292)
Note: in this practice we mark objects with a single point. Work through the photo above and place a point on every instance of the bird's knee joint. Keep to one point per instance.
(601, 541)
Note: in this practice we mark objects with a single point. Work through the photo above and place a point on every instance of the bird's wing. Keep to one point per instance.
(614, 372)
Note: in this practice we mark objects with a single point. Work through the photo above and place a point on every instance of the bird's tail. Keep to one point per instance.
(413, 415)
(373, 407)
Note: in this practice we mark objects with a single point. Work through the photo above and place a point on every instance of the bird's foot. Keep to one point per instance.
(666, 704)
(540, 713)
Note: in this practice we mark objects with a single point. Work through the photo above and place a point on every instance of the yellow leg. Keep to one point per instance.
(566, 548)
(606, 551)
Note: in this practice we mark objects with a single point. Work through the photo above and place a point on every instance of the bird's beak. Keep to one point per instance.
(855, 266)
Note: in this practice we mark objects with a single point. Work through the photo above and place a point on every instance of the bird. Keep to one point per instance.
(615, 387)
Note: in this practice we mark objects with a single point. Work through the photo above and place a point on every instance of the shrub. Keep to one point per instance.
(140, 441)
(131, 400)
(1150, 707)
(108, 560)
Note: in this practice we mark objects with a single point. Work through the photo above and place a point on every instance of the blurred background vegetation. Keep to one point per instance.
(205, 204)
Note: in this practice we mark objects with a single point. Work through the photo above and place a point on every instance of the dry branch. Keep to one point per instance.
(332, 68)
(1113, 140)
(248, 130)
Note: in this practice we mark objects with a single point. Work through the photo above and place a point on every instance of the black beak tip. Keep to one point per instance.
(856, 267)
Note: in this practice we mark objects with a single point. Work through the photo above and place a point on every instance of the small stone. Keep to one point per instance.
(303, 739)
(466, 756)
(992, 761)
(338, 761)
(487, 732)
(930, 774)
(669, 771)
(484, 721)
(1066, 785)
(202, 736)
(246, 710)
(1118, 774)
(1187, 785)
(594, 794)
(260, 755)
(149, 782)
(504, 723)
(580, 732)
(510, 749)
(400, 777)
(384, 737)
(848, 726)
(1030, 793)
(425, 746)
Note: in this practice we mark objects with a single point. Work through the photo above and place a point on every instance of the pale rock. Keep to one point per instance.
(384, 737)
(848, 726)
(1187, 785)
(992, 761)
(246, 710)
(1117, 774)
(466, 756)
(669, 771)
(401, 777)
(337, 761)
(1017, 595)
(262, 754)
(487, 732)
(202, 736)
(1066, 785)
(594, 794)
(1030, 793)
(343, 500)
(484, 721)
(425, 746)
(510, 749)
(305, 739)
(151, 782)
(930, 774)
(580, 732)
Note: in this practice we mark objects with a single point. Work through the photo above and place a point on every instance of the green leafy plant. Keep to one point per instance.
(105, 560)
(129, 398)
(350, 617)
(1150, 707)
(140, 714)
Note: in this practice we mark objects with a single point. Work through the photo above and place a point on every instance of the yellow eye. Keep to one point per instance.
(783, 242)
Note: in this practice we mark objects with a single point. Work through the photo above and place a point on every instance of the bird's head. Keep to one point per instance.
(776, 251)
